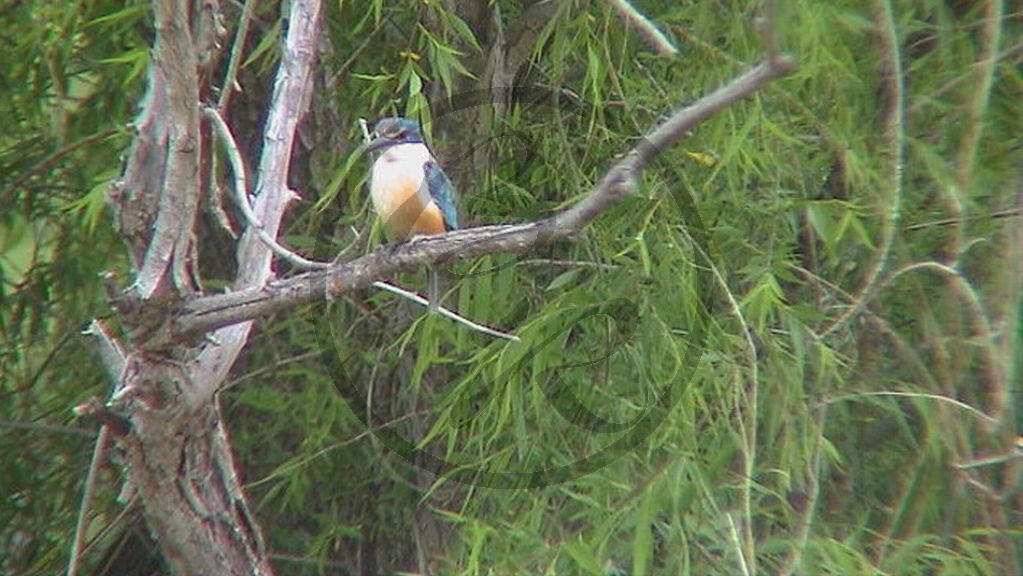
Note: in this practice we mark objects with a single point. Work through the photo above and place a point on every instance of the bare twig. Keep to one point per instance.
(568, 263)
(46, 428)
(743, 568)
(231, 78)
(1008, 213)
(242, 198)
(936, 397)
(368, 432)
(990, 460)
(128, 508)
(111, 354)
(98, 454)
(645, 27)
(444, 311)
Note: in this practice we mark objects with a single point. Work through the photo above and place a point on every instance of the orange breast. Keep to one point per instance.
(401, 208)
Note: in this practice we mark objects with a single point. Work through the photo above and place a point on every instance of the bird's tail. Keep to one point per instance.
(433, 288)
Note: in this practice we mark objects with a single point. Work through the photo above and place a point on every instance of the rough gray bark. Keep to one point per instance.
(174, 448)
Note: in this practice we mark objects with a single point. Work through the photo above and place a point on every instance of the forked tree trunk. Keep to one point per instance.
(172, 440)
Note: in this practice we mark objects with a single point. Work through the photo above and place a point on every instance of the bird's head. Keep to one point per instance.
(392, 130)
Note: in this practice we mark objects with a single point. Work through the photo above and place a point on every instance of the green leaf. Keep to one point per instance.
(268, 41)
(583, 556)
(415, 83)
(643, 540)
(562, 280)
(92, 204)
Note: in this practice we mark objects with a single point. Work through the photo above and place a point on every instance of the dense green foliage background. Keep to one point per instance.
(866, 422)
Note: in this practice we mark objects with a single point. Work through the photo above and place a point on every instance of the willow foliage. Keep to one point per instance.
(825, 278)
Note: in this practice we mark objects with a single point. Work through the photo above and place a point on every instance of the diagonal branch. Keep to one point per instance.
(211, 312)
(645, 27)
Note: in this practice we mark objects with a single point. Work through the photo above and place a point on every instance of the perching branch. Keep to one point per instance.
(206, 313)
(242, 200)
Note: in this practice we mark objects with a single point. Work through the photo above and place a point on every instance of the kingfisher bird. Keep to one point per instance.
(410, 191)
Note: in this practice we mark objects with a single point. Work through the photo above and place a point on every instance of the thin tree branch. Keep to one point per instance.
(1007, 213)
(990, 460)
(936, 397)
(241, 195)
(111, 354)
(445, 312)
(622, 178)
(645, 27)
(230, 79)
(743, 567)
(81, 526)
(46, 428)
(200, 315)
(568, 263)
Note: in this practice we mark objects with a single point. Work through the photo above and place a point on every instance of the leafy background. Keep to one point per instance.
(850, 289)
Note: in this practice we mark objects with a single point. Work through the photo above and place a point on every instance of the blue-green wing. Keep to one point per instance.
(442, 192)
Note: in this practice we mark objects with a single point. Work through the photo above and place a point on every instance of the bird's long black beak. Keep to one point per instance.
(377, 143)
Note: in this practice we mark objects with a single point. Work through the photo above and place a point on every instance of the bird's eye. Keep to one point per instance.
(383, 130)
